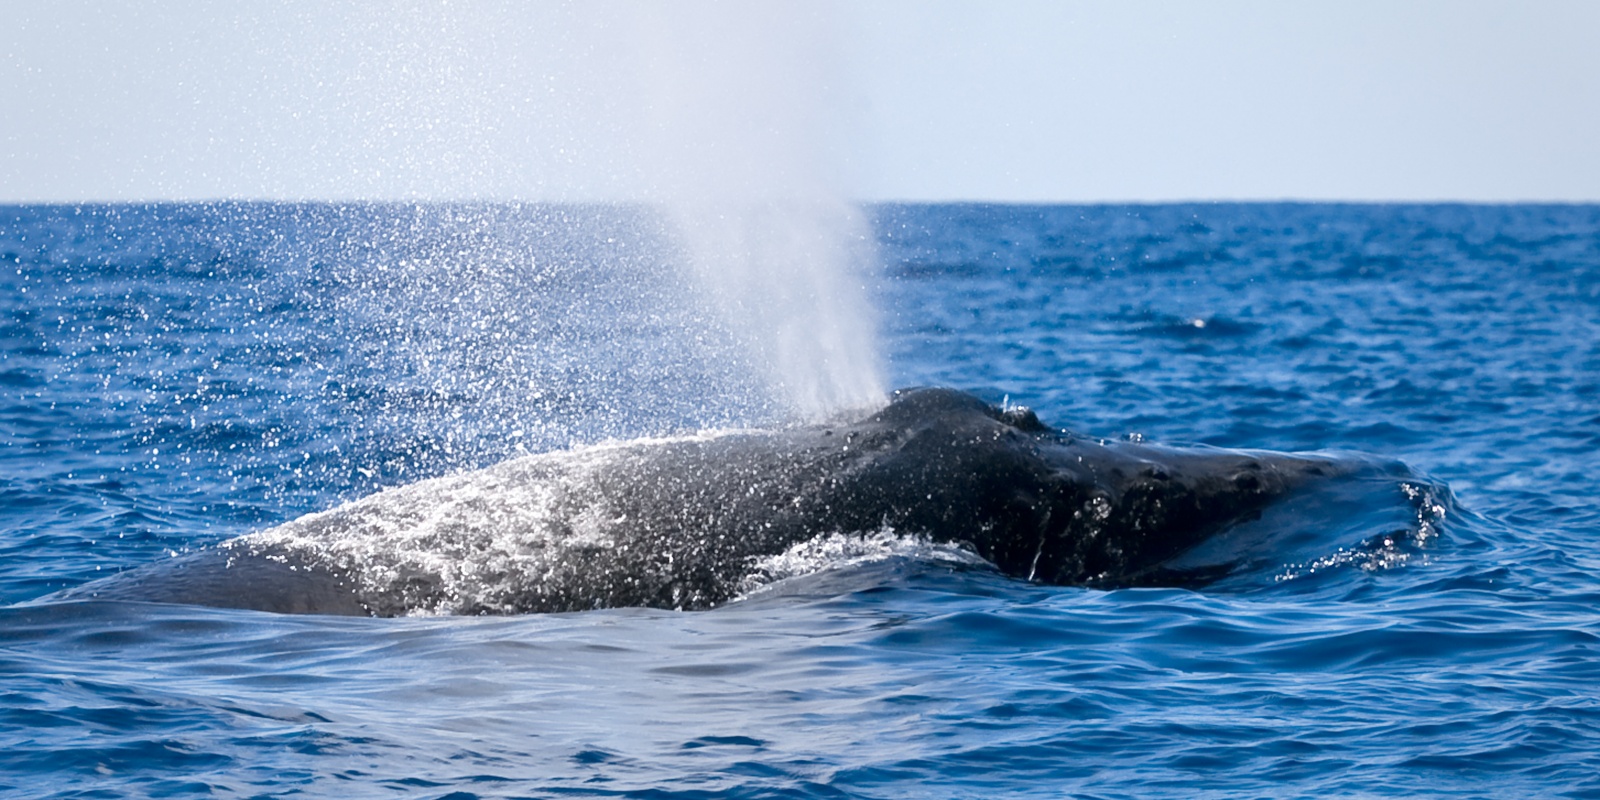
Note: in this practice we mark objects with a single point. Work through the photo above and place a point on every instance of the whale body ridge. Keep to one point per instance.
(679, 522)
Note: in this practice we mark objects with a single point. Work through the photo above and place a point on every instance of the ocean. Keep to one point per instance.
(173, 375)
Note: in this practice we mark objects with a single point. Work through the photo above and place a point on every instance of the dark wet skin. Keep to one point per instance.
(1040, 504)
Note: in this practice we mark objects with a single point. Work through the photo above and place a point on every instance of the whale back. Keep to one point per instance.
(682, 522)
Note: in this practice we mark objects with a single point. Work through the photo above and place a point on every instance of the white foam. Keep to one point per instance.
(1385, 551)
(843, 550)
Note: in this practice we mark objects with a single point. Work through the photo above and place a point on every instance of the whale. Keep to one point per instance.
(683, 522)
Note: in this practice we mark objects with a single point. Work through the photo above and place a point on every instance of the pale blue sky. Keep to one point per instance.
(886, 99)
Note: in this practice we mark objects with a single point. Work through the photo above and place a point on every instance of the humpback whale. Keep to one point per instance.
(678, 522)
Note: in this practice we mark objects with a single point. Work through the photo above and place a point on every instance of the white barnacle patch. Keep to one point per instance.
(1098, 508)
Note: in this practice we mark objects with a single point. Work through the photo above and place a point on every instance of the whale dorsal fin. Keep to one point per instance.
(920, 404)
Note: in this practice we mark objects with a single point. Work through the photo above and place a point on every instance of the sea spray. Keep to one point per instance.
(738, 144)
(678, 253)
(719, 122)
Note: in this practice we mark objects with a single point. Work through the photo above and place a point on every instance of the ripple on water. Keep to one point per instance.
(173, 376)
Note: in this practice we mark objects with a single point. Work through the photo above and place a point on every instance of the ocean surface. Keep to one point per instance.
(175, 375)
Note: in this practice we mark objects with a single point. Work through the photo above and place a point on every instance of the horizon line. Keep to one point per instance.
(1012, 202)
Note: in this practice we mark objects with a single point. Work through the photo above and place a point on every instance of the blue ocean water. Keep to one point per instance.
(174, 375)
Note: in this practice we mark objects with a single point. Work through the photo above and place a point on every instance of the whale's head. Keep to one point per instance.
(1057, 507)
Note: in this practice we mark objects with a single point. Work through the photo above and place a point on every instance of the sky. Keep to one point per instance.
(926, 100)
